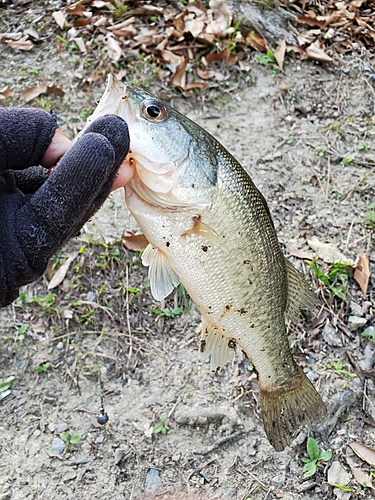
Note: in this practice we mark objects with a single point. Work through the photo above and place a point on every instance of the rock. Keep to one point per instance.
(119, 455)
(62, 427)
(99, 439)
(331, 336)
(51, 427)
(342, 495)
(355, 322)
(337, 474)
(153, 484)
(58, 446)
(356, 309)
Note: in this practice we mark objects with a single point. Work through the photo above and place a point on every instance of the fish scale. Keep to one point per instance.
(209, 227)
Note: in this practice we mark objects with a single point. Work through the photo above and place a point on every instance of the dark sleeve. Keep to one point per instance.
(25, 135)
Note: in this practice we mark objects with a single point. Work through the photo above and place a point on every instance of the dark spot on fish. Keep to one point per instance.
(232, 344)
(223, 329)
(193, 186)
(167, 244)
(262, 350)
(246, 262)
(202, 346)
(227, 307)
(204, 248)
(250, 282)
(242, 311)
(252, 325)
(209, 307)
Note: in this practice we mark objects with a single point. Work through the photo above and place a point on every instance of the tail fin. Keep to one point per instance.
(286, 410)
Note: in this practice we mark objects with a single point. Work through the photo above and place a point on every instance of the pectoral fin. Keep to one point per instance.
(162, 277)
(215, 344)
(299, 294)
(203, 230)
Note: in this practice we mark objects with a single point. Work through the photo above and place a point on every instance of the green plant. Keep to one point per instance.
(267, 59)
(348, 159)
(339, 367)
(289, 140)
(321, 150)
(44, 367)
(370, 216)
(70, 438)
(315, 458)
(21, 334)
(4, 389)
(169, 313)
(162, 426)
(334, 278)
(364, 146)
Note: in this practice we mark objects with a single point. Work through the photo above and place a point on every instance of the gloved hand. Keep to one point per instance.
(39, 213)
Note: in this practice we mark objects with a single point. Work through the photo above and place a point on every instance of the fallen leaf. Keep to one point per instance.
(22, 44)
(75, 10)
(321, 21)
(364, 452)
(194, 26)
(362, 272)
(60, 18)
(6, 92)
(362, 477)
(284, 86)
(81, 44)
(342, 7)
(256, 41)
(121, 25)
(244, 67)
(32, 92)
(60, 274)
(316, 53)
(114, 51)
(134, 242)
(300, 254)
(279, 53)
(179, 78)
(205, 74)
(219, 18)
(215, 56)
(329, 252)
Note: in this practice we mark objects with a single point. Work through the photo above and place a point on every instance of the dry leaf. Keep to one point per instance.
(361, 476)
(75, 10)
(114, 51)
(194, 26)
(256, 41)
(364, 452)
(328, 252)
(300, 254)
(219, 18)
(284, 86)
(134, 242)
(279, 53)
(217, 56)
(81, 44)
(244, 67)
(321, 21)
(205, 74)
(6, 92)
(22, 44)
(60, 274)
(362, 272)
(60, 18)
(32, 92)
(179, 78)
(318, 54)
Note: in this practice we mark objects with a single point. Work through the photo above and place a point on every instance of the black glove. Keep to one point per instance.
(38, 214)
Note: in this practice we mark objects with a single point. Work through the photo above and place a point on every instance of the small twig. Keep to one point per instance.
(358, 370)
(218, 443)
(349, 234)
(320, 184)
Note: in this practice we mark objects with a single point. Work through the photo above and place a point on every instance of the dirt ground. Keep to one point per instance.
(310, 148)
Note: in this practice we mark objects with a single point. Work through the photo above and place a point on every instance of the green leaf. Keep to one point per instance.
(312, 449)
(343, 487)
(75, 438)
(325, 456)
(4, 386)
(64, 436)
(309, 469)
(305, 460)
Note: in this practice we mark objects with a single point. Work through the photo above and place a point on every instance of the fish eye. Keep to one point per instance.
(153, 110)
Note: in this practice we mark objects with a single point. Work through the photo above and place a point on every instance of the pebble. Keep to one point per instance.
(37, 433)
(58, 446)
(90, 297)
(370, 331)
(337, 474)
(62, 427)
(51, 427)
(153, 484)
(331, 336)
(103, 370)
(60, 345)
(356, 309)
(119, 455)
(99, 439)
(355, 322)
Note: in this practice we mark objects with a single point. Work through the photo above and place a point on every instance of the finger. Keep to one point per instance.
(25, 135)
(58, 147)
(125, 174)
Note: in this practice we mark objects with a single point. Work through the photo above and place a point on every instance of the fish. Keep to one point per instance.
(209, 228)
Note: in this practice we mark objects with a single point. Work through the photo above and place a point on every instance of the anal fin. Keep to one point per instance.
(162, 277)
(285, 411)
(215, 344)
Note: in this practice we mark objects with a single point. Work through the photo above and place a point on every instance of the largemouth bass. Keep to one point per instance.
(209, 228)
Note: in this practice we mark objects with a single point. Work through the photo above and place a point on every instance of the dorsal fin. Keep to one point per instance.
(299, 294)
(162, 277)
(215, 344)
